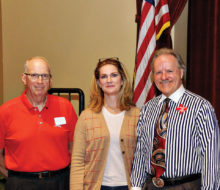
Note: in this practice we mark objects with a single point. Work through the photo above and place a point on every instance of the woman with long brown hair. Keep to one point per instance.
(105, 134)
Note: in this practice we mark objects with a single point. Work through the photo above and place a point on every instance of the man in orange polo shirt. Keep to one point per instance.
(36, 133)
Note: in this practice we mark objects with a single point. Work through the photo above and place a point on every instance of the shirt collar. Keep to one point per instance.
(28, 104)
(25, 100)
(175, 96)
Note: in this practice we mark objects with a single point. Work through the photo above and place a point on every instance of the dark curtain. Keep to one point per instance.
(138, 17)
(175, 9)
(203, 74)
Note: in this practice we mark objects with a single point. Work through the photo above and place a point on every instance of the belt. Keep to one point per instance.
(38, 175)
(103, 187)
(179, 180)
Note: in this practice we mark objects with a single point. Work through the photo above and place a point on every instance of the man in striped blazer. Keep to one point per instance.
(192, 143)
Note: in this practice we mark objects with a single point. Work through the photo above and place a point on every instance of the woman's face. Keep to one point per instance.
(110, 80)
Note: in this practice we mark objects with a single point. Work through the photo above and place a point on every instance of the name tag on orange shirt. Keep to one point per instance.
(59, 121)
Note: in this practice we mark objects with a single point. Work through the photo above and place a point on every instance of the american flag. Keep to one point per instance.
(155, 19)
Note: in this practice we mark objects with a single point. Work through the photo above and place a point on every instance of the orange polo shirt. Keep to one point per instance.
(36, 141)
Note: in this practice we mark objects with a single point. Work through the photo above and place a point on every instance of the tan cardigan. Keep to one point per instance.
(91, 144)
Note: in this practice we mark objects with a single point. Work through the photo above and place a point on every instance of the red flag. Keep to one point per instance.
(155, 19)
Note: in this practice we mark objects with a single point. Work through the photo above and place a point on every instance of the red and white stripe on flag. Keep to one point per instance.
(155, 19)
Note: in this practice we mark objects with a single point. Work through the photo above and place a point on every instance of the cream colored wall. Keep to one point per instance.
(179, 34)
(71, 34)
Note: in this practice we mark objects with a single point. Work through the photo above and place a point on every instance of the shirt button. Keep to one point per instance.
(41, 122)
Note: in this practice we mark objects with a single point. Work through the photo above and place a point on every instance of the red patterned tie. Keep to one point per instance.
(158, 154)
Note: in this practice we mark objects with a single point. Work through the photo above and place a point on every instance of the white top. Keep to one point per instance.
(114, 174)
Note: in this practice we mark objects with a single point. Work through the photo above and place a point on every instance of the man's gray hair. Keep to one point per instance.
(166, 51)
(36, 57)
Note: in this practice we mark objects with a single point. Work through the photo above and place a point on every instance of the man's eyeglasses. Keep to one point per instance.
(35, 76)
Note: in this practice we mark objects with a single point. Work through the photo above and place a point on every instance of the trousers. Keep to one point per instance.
(56, 182)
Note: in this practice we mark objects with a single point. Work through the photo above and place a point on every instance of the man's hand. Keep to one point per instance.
(3, 170)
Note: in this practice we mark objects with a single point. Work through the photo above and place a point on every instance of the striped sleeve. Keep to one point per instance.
(143, 151)
(209, 137)
(138, 167)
